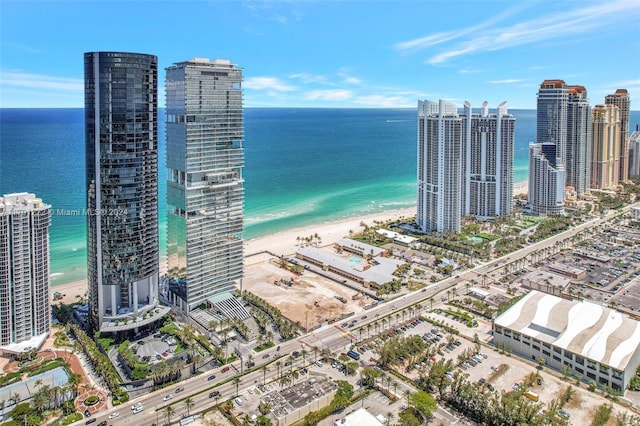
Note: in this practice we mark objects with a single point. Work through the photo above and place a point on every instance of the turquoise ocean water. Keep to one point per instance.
(303, 166)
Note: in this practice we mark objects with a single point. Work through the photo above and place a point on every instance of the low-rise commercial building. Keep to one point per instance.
(372, 273)
(593, 342)
(360, 417)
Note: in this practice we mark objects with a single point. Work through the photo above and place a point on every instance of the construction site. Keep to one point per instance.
(301, 295)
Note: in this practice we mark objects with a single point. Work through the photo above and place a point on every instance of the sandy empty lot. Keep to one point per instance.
(310, 300)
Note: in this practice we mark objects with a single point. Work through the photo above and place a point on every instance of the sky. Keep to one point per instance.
(358, 53)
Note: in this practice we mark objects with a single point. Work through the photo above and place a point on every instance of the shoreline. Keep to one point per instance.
(282, 243)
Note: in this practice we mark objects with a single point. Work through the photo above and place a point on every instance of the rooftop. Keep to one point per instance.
(584, 328)
(358, 418)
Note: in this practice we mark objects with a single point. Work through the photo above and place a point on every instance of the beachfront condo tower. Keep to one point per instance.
(578, 149)
(621, 99)
(121, 136)
(487, 175)
(205, 190)
(551, 124)
(546, 180)
(465, 164)
(605, 147)
(25, 311)
(634, 153)
(440, 169)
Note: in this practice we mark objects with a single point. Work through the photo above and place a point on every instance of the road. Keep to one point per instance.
(331, 337)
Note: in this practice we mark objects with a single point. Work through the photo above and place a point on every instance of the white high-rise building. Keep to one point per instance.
(546, 180)
(205, 187)
(25, 311)
(465, 164)
(440, 169)
(488, 161)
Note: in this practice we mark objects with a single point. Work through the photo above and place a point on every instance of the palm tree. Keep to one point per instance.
(389, 417)
(264, 369)
(169, 412)
(236, 381)
(189, 404)
(278, 364)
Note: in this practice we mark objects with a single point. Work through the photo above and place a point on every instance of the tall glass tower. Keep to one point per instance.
(205, 191)
(121, 133)
(578, 149)
(551, 124)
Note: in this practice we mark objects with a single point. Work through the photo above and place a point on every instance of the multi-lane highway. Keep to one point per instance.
(331, 337)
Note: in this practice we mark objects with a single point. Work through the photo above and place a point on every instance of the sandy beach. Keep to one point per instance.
(286, 242)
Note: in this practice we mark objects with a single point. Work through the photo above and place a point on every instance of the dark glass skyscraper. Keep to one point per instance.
(121, 134)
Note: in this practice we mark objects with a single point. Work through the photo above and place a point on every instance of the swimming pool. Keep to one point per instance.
(354, 260)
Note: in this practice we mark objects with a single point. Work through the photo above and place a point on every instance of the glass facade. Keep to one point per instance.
(121, 128)
(205, 191)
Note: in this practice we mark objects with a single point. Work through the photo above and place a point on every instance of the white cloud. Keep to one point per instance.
(310, 78)
(40, 81)
(553, 26)
(267, 83)
(469, 71)
(328, 95)
(443, 37)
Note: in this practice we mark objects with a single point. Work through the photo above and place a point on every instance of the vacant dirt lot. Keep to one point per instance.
(309, 300)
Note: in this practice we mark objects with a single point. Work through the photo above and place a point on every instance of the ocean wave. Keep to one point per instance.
(56, 274)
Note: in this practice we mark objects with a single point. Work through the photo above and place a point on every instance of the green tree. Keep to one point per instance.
(188, 403)
(423, 402)
(263, 420)
(169, 411)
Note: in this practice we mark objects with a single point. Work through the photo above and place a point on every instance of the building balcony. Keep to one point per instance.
(131, 320)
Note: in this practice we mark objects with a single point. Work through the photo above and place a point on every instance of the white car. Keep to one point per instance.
(113, 415)
(167, 397)
(239, 401)
(136, 405)
(138, 410)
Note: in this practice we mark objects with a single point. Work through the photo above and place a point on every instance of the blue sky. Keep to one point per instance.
(333, 53)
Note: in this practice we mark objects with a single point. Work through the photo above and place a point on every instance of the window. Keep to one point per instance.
(579, 370)
(591, 375)
(547, 353)
(556, 358)
(536, 348)
(556, 349)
